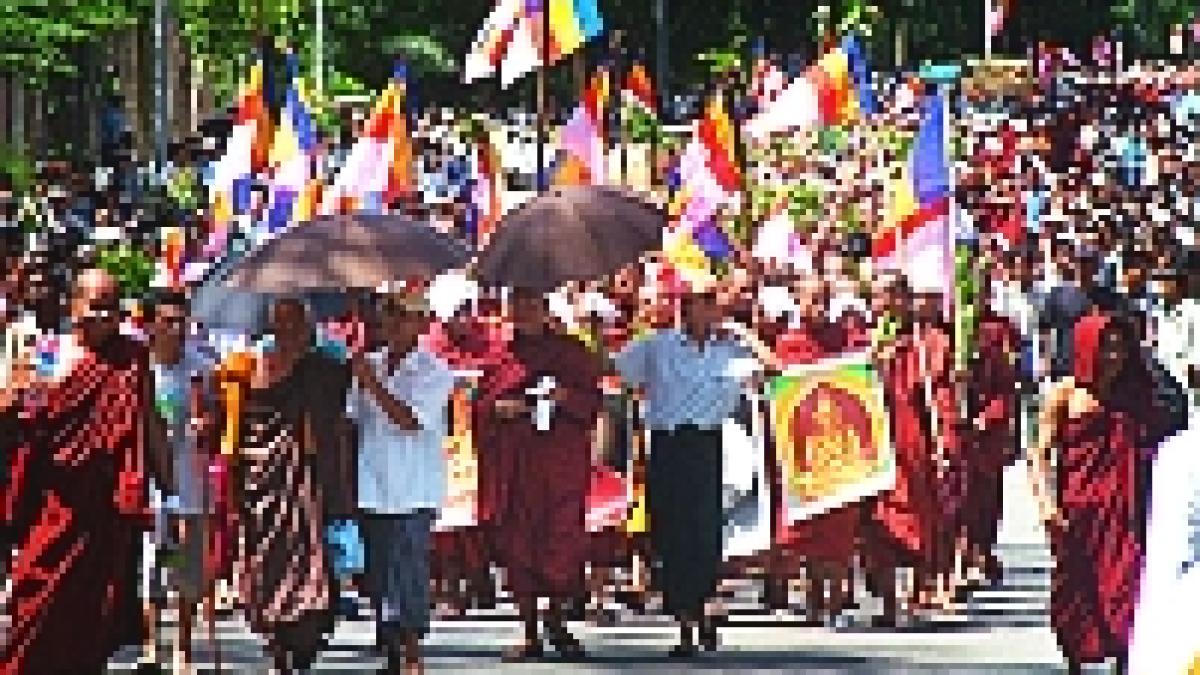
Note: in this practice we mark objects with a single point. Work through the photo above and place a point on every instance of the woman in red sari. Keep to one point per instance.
(1093, 426)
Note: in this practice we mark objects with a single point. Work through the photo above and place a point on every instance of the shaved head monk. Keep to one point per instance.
(76, 496)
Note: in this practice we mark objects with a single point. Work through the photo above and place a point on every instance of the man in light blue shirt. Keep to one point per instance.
(691, 388)
(399, 399)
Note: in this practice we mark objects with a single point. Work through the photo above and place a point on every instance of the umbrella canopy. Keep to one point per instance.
(353, 251)
(570, 233)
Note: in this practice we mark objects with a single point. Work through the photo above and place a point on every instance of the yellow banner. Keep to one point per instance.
(832, 438)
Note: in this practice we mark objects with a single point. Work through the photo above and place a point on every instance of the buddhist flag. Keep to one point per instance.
(245, 153)
(293, 187)
(581, 139)
(512, 43)
(832, 438)
(915, 238)
(493, 40)
(708, 179)
(378, 169)
(835, 90)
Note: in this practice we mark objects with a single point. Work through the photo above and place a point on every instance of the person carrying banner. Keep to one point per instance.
(540, 409)
(826, 541)
(691, 390)
(900, 527)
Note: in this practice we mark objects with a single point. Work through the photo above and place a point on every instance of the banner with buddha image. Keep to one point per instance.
(459, 510)
(833, 444)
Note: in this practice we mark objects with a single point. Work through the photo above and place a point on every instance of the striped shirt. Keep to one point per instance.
(684, 384)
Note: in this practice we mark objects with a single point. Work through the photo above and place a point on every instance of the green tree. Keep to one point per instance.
(38, 36)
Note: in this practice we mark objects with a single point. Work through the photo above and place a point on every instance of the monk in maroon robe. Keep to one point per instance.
(992, 445)
(541, 477)
(826, 541)
(466, 554)
(1097, 424)
(903, 527)
(76, 499)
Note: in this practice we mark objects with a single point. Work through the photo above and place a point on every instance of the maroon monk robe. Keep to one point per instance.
(1098, 552)
(468, 550)
(994, 389)
(541, 479)
(77, 501)
(903, 523)
(831, 536)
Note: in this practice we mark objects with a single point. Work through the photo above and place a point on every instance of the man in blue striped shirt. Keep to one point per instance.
(691, 389)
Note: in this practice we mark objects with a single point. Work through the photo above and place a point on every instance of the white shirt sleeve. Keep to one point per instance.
(428, 393)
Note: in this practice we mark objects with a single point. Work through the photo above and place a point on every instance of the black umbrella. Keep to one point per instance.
(573, 233)
(342, 252)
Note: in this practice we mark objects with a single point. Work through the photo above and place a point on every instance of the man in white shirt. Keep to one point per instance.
(399, 399)
(1175, 331)
(691, 389)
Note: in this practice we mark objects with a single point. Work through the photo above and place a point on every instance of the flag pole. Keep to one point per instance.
(544, 48)
(987, 30)
(618, 80)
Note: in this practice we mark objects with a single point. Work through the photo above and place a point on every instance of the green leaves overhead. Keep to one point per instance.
(37, 37)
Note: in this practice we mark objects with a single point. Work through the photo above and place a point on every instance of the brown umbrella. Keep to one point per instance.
(352, 251)
(571, 233)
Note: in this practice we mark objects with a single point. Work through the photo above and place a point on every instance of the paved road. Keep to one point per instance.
(1003, 629)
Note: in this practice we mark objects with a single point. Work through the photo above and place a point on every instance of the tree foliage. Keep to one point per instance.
(37, 36)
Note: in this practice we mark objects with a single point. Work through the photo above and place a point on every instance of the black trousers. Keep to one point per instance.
(683, 501)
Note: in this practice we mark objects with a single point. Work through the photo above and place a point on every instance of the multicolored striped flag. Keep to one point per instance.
(915, 238)
(582, 138)
(294, 188)
(245, 154)
(834, 90)
(512, 43)
(378, 170)
(708, 180)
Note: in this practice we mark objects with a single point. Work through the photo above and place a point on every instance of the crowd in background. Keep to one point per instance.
(1085, 200)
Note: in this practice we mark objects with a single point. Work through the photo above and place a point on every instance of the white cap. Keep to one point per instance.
(448, 292)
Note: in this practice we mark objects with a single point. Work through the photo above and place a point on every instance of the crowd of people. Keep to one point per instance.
(146, 465)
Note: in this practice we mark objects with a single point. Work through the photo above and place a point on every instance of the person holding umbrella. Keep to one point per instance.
(691, 390)
(400, 397)
(538, 410)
